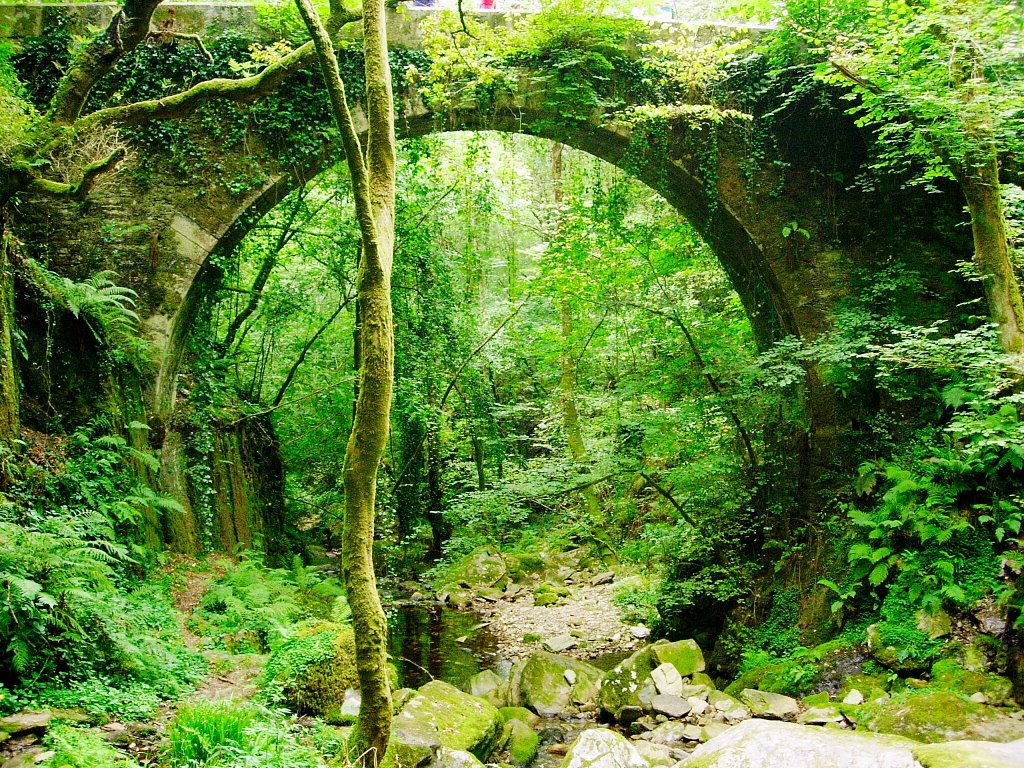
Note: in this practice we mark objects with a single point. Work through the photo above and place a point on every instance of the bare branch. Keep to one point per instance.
(90, 175)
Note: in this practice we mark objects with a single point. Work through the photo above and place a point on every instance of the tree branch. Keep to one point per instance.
(169, 34)
(81, 189)
(129, 27)
(305, 350)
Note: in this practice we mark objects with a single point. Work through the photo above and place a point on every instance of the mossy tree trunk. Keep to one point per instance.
(10, 423)
(373, 185)
(979, 180)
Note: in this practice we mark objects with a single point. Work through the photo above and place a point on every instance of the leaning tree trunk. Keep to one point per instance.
(10, 425)
(373, 186)
(980, 183)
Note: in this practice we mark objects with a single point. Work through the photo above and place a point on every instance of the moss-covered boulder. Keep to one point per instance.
(549, 594)
(623, 683)
(310, 671)
(950, 675)
(601, 748)
(684, 655)
(522, 742)
(518, 713)
(971, 754)
(441, 713)
(480, 568)
(899, 649)
(770, 744)
(454, 758)
(934, 716)
(550, 684)
(487, 685)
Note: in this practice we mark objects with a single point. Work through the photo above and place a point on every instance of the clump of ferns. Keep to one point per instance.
(106, 308)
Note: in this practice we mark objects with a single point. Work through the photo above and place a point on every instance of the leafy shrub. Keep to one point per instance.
(77, 748)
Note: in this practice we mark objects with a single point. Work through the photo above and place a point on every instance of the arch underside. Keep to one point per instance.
(747, 267)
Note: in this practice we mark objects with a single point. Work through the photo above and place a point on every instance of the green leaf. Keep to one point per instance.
(878, 574)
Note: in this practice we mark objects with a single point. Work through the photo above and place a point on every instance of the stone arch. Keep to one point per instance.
(675, 177)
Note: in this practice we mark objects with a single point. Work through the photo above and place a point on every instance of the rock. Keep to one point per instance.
(486, 685)
(558, 749)
(854, 697)
(672, 706)
(630, 714)
(891, 657)
(560, 644)
(731, 708)
(42, 757)
(23, 760)
(821, 716)
(655, 754)
(695, 692)
(570, 676)
(667, 680)
(699, 678)
(935, 625)
(934, 716)
(314, 667)
(639, 631)
(979, 698)
(684, 655)
(26, 722)
(711, 730)
(692, 732)
(773, 706)
(697, 706)
(622, 683)
(541, 685)
(481, 568)
(442, 714)
(606, 577)
(971, 754)
(601, 748)
(522, 742)
(669, 733)
(770, 744)
(519, 713)
(454, 758)
(549, 594)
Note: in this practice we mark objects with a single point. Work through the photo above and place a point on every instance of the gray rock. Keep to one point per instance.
(570, 676)
(713, 729)
(655, 754)
(979, 698)
(771, 744)
(731, 709)
(971, 754)
(484, 684)
(667, 680)
(821, 716)
(684, 655)
(773, 706)
(854, 697)
(601, 748)
(541, 684)
(454, 758)
(668, 733)
(672, 706)
(607, 577)
(697, 706)
(25, 722)
(640, 631)
(560, 643)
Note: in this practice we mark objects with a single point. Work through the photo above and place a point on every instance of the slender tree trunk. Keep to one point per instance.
(10, 424)
(567, 383)
(373, 186)
(980, 183)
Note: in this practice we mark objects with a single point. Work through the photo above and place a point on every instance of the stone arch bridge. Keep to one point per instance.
(740, 202)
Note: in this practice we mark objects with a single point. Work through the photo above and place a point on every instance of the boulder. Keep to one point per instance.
(549, 594)
(25, 722)
(670, 706)
(667, 680)
(314, 668)
(522, 742)
(854, 698)
(772, 706)
(622, 683)
(671, 733)
(481, 568)
(605, 577)
(713, 729)
(518, 713)
(934, 716)
(655, 754)
(935, 625)
(454, 758)
(486, 685)
(971, 754)
(892, 657)
(822, 715)
(560, 643)
(541, 684)
(443, 715)
(770, 744)
(601, 748)
(684, 655)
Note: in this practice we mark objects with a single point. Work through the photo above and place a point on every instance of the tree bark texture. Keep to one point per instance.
(373, 185)
(980, 183)
(10, 423)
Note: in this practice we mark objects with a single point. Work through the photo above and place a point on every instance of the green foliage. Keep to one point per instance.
(77, 748)
(251, 607)
(202, 732)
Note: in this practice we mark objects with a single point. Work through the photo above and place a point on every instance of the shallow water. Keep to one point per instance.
(430, 641)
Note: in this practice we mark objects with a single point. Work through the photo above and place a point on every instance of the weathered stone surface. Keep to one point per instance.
(733, 709)
(772, 744)
(669, 733)
(935, 716)
(606, 577)
(541, 684)
(890, 656)
(484, 684)
(936, 624)
(601, 748)
(821, 716)
(560, 644)
(971, 754)
(522, 742)
(519, 713)
(655, 754)
(481, 568)
(854, 697)
(773, 706)
(25, 722)
(621, 684)
(713, 729)
(442, 714)
(667, 680)
(684, 655)
(672, 706)
(454, 758)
